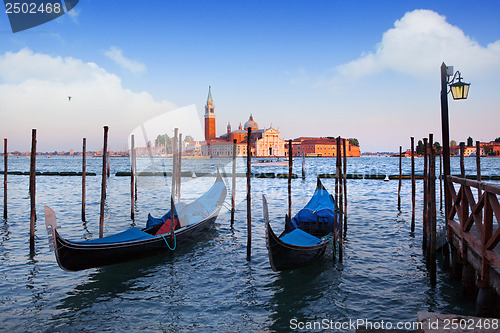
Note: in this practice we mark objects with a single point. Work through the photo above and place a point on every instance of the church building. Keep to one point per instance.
(264, 142)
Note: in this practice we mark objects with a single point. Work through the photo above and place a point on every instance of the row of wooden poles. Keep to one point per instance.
(32, 183)
(429, 228)
(340, 184)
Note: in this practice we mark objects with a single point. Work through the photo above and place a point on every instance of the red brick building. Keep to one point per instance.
(324, 147)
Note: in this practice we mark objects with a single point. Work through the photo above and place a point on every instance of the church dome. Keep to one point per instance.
(252, 124)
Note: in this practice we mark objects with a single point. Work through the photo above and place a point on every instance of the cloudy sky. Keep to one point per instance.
(363, 69)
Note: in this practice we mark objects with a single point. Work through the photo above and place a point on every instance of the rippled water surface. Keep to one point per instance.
(209, 285)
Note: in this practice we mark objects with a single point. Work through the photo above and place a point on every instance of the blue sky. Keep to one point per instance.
(363, 69)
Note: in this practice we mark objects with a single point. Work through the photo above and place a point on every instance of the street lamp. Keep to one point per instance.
(459, 90)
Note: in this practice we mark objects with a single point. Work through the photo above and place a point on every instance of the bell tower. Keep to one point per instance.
(209, 118)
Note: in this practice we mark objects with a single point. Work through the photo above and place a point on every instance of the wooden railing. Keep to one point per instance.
(480, 215)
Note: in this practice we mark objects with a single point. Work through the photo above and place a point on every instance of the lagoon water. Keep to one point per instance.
(209, 285)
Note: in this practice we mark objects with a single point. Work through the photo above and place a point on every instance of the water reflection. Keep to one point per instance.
(295, 290)
(107, 283)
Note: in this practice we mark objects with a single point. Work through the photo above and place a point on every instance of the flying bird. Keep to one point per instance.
(69, 98)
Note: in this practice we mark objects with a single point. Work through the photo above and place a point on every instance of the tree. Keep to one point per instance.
(354, 142)
(164, 140)
(470, 141)
(420, 147)
(437, 147)
(453, 143)
(497, 139)
(188, 138)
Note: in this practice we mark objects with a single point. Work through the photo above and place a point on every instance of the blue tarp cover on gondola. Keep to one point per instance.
(318, 208)
(301, 238)
(132, 234)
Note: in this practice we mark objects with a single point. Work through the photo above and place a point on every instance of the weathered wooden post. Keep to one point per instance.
(432, 211)
(33, 189)
(84, 175)
(425, 226)
(103, 182)
(290, 166)
(478, 165)
(412, 184)
(249, 202)
(5, 178)
(179, 168)
(107, 163)
(233, 183)
(338, 188)
(134, 161)
(174, 163)
(303, 165)
(400, 176)
(132, 177)
(462, 159)
(345, 184)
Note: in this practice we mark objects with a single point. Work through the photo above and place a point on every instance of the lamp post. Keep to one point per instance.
(459, 90)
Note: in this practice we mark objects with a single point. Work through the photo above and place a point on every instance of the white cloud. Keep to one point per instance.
(417, 45)
(117, 56)
(34, 90)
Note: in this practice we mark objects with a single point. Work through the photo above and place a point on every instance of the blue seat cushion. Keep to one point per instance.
(301, 238)
(132, 234)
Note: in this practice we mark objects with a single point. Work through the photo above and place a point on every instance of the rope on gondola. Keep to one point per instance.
(166, 242)
(332, 239)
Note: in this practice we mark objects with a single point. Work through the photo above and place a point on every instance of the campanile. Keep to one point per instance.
(209, 118)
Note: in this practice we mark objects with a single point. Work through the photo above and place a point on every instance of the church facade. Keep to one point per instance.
(264, 142)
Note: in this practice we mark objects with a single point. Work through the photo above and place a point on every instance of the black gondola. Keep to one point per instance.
(306, 235)
(192, 219)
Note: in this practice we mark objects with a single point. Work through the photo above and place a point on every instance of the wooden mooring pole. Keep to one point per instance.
(33, 189)
(249, 202)
(103, 182)
(233, 183)
(5, 178)
(134, 161)
(400, 176)
(84, 174)
(179, 168)
(412, 184)
(132, 177)
(432, 211)
(107, 163)
(462, 161)
(478, 165)
(345, 185)
(425, 227)
(338, 190)
(303, 165)
(174, 163)
(290, 166)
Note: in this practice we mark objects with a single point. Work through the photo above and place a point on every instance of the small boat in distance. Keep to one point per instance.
(270, 162)
(190, 221)
(306, 235)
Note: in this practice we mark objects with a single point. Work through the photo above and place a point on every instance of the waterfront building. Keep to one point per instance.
(322, 147)
(264, 142)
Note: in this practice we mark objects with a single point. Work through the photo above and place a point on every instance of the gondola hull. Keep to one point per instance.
(72, 256)
(132, 244)
(287, 252)
(283, 256)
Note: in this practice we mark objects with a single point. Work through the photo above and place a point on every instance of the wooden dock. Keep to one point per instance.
(474, 234)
